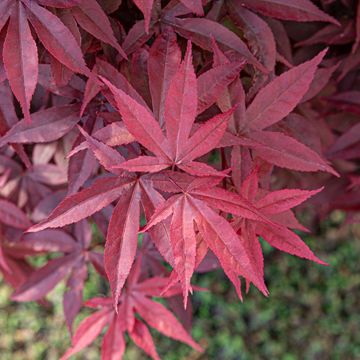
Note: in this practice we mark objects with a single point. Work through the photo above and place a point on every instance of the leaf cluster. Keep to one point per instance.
(172, 142)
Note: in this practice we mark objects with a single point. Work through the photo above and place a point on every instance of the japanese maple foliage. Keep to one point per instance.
(135, 299)
(138, 137)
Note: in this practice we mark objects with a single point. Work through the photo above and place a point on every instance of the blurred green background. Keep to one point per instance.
(313, 311)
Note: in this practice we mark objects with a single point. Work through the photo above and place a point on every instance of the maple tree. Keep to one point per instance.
(177, 132)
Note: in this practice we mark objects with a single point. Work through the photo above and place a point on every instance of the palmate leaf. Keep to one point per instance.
(178, 148)
(193, 207)
(135, 301)
(277, 203)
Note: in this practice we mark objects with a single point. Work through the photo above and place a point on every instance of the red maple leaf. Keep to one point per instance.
(135, 300)
(179, 148)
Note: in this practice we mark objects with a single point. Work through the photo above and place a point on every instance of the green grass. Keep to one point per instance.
(312, 312)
